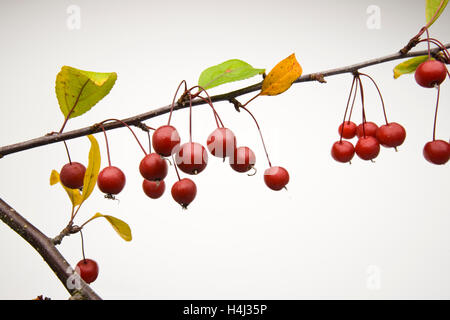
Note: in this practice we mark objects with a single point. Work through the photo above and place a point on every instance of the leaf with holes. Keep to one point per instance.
(121, 227)
(281, 77)
(78, 91)
(433, 10)
(228, 71)
(408, 66)
(90, 177)
(74, 194)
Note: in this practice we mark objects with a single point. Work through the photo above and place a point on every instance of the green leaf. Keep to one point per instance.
(431, 7)
(408, 66)
(78, 90)
(90, 177)
(228, 71)
(121, 227)
(74, 194)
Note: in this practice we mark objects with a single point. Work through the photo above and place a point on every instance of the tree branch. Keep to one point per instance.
(44, 246)
(136, 120)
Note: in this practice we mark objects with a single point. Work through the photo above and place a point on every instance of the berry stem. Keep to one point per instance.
(82, 246)
(107, 144)
(67, 151)
(149, 142)
(353, 102)
(176, 169)
(346, 108)
(251, 99)
(209, 101)
(190, 117)
(260, 134)
(362, 105)
(126, 125)
(435, 112)
(440, 45)
(174, 97)
(379, 93)
(428, 43)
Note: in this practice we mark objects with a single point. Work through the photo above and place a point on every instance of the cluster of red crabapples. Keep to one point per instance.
(429, 74)
(370, 136)
(190, 158)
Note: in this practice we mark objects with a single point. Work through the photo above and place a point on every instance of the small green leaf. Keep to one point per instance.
(408, 66)
(431, 7)
(90, 177)
(74, 194)
(121, 227)
(78, 90)
(228, 71)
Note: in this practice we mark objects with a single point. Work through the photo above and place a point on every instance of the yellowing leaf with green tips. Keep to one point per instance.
(90, 177)
(121, 227)
(74, 194)
(408, 66)
(281, 77)
(433, 10)
(78, 91)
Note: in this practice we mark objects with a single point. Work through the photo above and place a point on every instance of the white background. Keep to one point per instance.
(366, 230)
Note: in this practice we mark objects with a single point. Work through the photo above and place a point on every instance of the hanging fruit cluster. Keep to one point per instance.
(370, 136)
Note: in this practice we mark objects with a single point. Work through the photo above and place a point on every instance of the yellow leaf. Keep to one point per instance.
(121, 227)
(54, 177)
(281, 77)
(74, 194)
(90, 177)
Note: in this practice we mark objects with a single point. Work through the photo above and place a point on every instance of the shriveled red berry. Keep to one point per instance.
(342, 151)
(184, 192)
(192, 158)
(166, 140)
(391, 135)
(276, 178)
(72, 175)
(153, 167)
(88, 270)
(367, 148)
(221, 143)
(349, 130)
(243, 160)
(370, 129)
(437, 151)
(153, 189)
(430, 73)
(111, 180)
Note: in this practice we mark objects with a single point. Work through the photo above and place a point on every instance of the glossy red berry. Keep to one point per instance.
(367, 148)
(243, 160)
(184, 192)
(72, 175)
(191, 158)
(370, 129)
(342, 151)
(221, 143)
(153, 167)
(391, 135)
(276, 178)
(430, 73)
(166, 140)
(154, 189)
(111, 180)
(88, 270)
(349, 130)
(437, 151)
